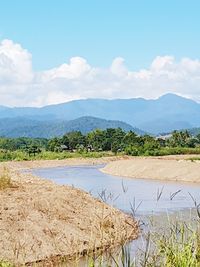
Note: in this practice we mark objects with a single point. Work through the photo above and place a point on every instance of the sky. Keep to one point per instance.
(53, 51)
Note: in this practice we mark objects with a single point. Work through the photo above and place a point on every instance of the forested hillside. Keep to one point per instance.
(24, 127)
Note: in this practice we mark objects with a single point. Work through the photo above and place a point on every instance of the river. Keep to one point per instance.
(145, 196)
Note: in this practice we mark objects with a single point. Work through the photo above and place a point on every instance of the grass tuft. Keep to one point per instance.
(5, 180)
(5, 264)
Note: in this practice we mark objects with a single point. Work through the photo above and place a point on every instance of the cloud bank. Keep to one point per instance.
(21, 86)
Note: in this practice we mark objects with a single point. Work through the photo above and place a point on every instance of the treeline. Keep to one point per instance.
(98, 141)
(22, 143)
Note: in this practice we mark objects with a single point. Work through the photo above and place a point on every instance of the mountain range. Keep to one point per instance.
(167, 113)
(23, 127)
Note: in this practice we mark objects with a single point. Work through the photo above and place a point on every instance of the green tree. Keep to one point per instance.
(179, 139)
(76, 138)
(65, 140)
(54, 144)
(96, 139)
(33, 150)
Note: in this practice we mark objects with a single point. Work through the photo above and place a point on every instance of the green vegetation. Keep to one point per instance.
(179, 246)
(49, 155)
(98, 143)
(180, 250)
(5, 264)
(175, 243)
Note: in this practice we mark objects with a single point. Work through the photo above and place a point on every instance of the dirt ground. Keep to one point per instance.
(42, 221)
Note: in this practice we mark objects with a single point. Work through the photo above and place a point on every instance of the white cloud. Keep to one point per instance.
(162, 63)
(77, 68)
(15, 63)
(118, 67)
(21, 86)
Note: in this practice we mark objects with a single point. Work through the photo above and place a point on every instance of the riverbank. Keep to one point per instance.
(41, 221)
(169, 168)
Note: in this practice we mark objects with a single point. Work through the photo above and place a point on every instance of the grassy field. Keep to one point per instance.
(19, 155)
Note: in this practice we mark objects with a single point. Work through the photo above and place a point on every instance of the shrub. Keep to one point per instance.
(132, 151)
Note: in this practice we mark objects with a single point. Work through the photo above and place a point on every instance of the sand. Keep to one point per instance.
(21, 165)
(171, 168)
(44, 222)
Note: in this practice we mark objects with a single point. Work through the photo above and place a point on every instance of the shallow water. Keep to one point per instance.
(146, 197)
(152, 196)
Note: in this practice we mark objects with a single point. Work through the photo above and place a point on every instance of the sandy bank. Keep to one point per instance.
(173, 168)
(20, 165)
(40, 220)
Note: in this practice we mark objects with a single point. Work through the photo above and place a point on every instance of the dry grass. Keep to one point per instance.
(41, 222)
(5, 179)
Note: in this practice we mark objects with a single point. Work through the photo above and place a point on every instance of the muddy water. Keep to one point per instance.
(144, 196)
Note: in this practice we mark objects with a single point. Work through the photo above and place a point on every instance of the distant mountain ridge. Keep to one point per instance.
(23, 127)
(165, 114)
(194, 131)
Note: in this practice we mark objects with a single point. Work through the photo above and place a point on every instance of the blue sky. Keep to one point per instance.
(53, 51)
(100, 30)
